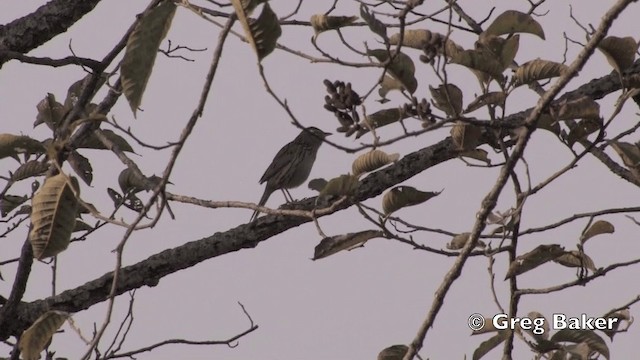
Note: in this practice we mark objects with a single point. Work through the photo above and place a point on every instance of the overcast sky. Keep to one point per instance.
(352, 304)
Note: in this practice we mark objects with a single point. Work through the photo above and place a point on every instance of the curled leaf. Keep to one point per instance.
(50, 112)
(372, 160)
(322, 22)
(53, 216)
(342, 185)
(538, 69)
(620, 316)
(593, 340)
(424, 39)
(403, 196)
(512, 21)
(38, 335)
(331, 245)
(597, 228)
(447, 98)
(496, 98)
(533, 259)
(620, 52)
(263, 32)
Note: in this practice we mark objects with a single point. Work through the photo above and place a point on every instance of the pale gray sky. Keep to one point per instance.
(352, 304)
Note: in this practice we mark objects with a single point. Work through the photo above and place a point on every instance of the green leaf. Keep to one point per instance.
(262, 33)
(142, 49)
(375, 25)
(512, 21)
(401, 67)
(331, 245)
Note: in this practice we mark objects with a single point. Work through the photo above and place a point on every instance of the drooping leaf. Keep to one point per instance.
(333, 244)
(9, 202)
(582, 108)
(36, 337)
(620, 52)
(53, 216)
(81, 166)
(393, 352)
(263, 32)
(403, 196)
(575, 258)
(595, 342)
(372, 160)
(401, 67)
(629, 153)
(92, 141)
(460, 240)
(621, 315)
(322, 22)
(597, 228)
(486, 346)
(142, 48)
(465, 136)
(481, 60)
(448, 98)
(12, 145)
(50, 112)
(533, 259)
(374, 24)
(504, 50)
(512, 21)
(538, 69)
(496, 98)
(341, 185)
(29, 169)
(583, 129)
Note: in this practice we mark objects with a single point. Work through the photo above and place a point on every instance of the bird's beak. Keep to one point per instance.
(326, 133)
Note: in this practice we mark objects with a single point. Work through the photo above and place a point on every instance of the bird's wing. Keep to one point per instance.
(277, 164)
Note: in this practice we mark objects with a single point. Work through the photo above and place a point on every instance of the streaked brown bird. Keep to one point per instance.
(292, 165)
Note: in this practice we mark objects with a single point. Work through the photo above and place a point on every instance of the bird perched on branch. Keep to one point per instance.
(291, 166)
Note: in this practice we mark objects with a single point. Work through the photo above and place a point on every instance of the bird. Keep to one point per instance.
(291, 166)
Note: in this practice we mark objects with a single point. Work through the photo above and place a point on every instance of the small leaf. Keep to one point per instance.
(142, 48)
(12, 145)
(538, 69)
(460, 240)
(620, 52)
(478, 154)
(486, 346)
(29, 169)
(263, 32)
(53, 216)
(393, 352)
(331, 245)
(424, 39)
(576, 259)
(403, 196)
(512, 21)
(583, 129)
(341, 185)
(36, 337)
(582, 108)
(597, 228)
(50, 112)
(317, 184)
(371, 161)
(81, 166)
(82, 226)
(92, 141)
(496, 98)
(9, 202)
(465, 136)
(322, 22)
(401, 67)
(447, 98)
(595, 342)
(375, 25)
(533, 259)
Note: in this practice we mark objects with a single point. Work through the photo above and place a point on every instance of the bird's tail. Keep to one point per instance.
(263, 200)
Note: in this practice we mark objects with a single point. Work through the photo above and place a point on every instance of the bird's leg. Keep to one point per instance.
(287, 196)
